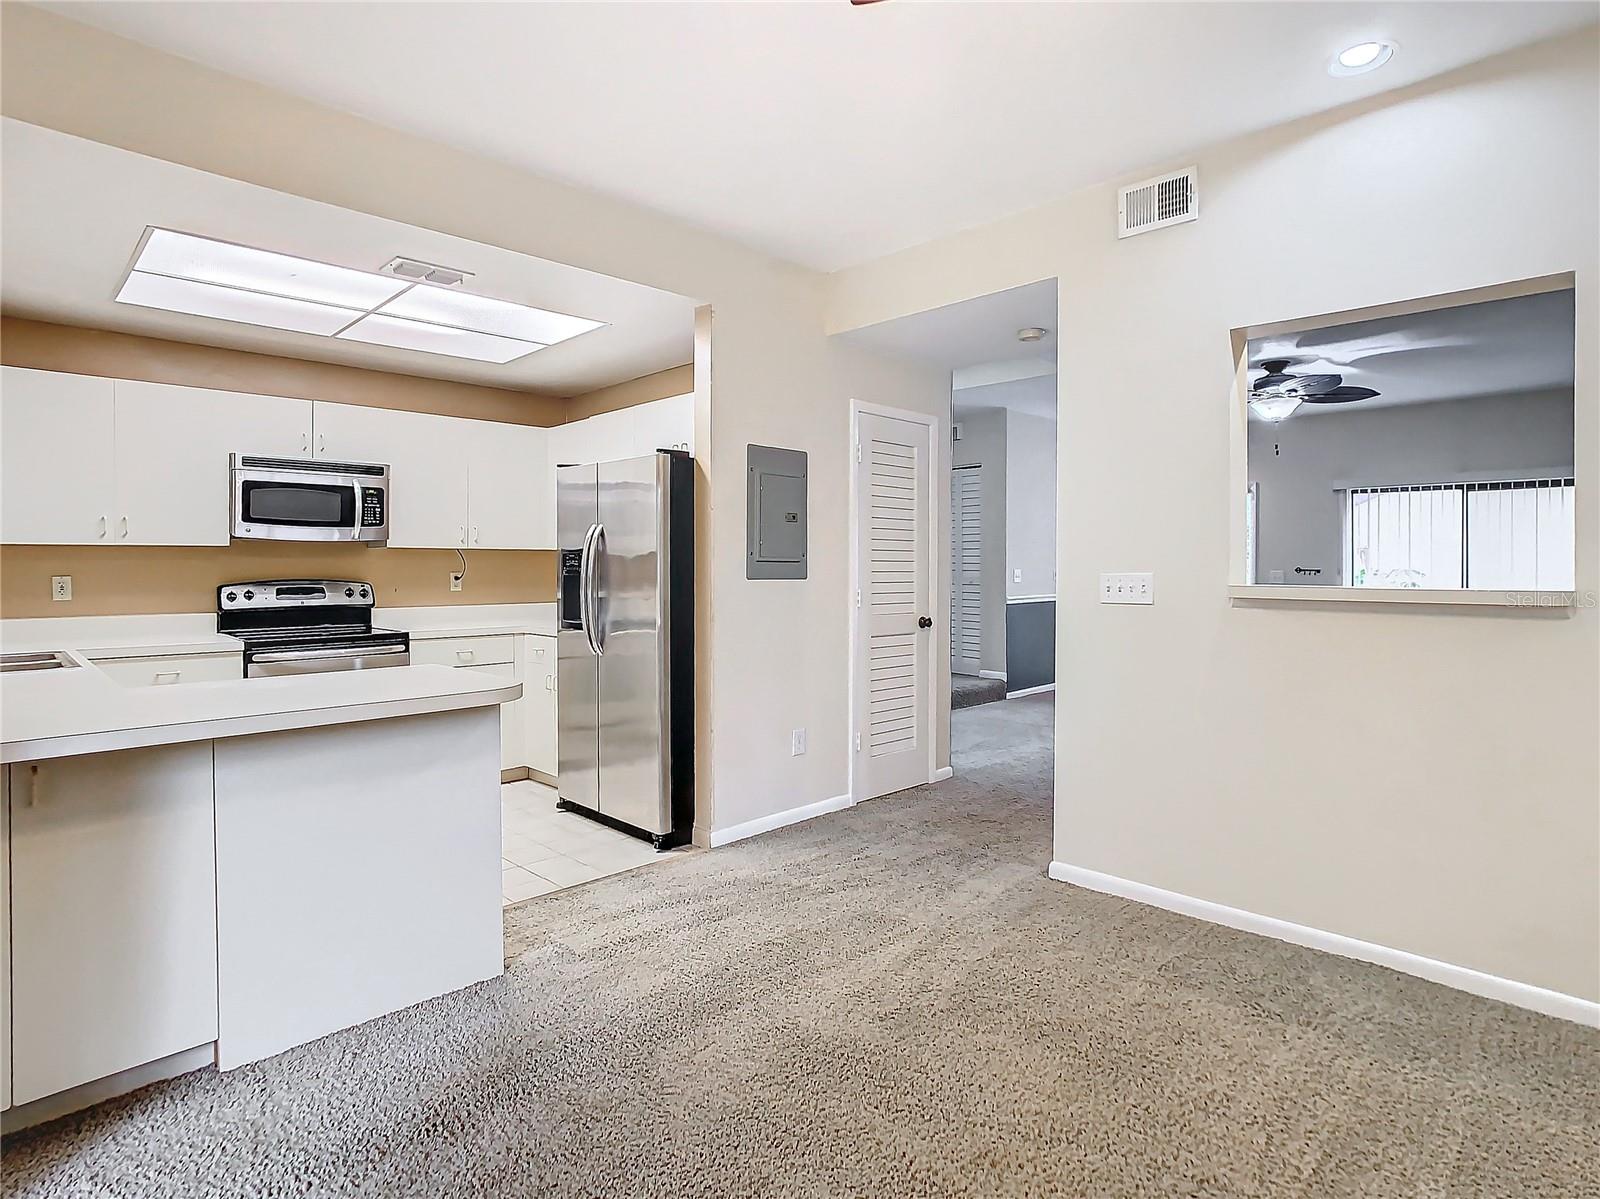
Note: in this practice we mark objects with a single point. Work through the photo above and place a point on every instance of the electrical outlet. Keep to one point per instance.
(455, 580)
(797, 742)
(1128, 588)
(60, 587)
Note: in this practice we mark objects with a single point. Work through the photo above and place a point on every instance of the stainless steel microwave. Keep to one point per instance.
(293, 499)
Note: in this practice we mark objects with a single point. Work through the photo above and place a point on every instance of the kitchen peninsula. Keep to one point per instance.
(220, 871)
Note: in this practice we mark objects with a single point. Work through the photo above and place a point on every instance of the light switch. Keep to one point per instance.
(1137, 587)
(797, 742)
(1016, 576)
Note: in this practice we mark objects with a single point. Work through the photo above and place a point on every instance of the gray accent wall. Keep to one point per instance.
(1030, 644)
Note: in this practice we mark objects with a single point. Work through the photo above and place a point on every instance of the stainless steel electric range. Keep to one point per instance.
(305, 626)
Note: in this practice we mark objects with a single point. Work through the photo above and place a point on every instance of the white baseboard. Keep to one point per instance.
(765, 824)
(941, 774)
(1462, 978)
(992, 674)
(74, 1099)
(1030, 691)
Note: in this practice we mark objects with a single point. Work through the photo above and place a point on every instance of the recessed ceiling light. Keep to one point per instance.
(1361, 57)
(379, 330)
(185, 256)
(200, 276)
(1032, 333)
(232, 304)
(463, 310)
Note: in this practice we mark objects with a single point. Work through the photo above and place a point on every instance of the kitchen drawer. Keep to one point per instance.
(189, 668)
(462, 651)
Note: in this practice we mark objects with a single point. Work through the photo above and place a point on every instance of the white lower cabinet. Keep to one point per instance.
(539, 704)
(161, 672)
(113, 914)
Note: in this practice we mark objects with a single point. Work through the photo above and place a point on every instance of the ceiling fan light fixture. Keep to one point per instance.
(1361, 58)
(1274, 407)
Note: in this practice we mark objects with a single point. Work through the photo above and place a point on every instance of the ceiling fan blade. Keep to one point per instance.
(1341, 395)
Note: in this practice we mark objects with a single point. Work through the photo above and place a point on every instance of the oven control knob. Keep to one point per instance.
(249, 595)
(363, 593)
(349, 591)
(232, 595)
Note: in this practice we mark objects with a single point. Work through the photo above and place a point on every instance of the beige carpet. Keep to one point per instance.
(891, 1001)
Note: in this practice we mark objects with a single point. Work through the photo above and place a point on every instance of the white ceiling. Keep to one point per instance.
(73, 212)
(980, 331)
(821, 132)
(1035, 397)
(1501, 347)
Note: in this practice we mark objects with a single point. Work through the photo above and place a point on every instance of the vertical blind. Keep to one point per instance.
(1500, 535)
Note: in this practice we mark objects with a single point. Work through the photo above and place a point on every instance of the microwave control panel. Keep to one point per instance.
(372, 516)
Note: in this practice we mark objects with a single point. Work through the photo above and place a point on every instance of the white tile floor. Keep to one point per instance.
(544, 850)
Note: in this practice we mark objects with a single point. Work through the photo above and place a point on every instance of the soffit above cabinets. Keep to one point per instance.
(76, 212)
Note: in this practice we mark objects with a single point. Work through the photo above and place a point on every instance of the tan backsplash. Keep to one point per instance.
(128, 580)
(123, 580)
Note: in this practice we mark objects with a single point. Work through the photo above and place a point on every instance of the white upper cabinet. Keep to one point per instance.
(664, 425)
(427, 460)
(172, 449)
(57, 460)
(509, 504)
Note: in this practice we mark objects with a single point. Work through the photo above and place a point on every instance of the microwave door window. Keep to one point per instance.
(301, 505)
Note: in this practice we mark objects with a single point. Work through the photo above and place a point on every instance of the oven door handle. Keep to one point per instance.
(313, 655)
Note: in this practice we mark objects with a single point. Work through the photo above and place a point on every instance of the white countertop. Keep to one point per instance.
(119, 636)
(469, 620)
(104, 637)
(59, 713)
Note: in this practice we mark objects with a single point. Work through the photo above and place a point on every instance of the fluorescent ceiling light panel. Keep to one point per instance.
(185, 256)
(381, 330)
(463, 310)
(231, 304)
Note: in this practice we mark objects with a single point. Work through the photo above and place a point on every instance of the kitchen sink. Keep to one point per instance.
(40, 660)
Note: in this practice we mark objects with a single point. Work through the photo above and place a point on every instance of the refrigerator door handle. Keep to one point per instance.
(597, 547)
(585, 569)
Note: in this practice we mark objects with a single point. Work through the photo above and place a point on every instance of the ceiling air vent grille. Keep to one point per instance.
(1157, 203)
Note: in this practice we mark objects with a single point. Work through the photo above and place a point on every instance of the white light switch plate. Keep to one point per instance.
(797, 742)
(1138, 587)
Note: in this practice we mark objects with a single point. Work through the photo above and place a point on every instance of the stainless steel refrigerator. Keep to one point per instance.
(625, 644)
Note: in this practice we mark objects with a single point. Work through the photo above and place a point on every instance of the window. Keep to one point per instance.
(1495, 536)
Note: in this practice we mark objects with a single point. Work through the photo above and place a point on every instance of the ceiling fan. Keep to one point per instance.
(1277, 393)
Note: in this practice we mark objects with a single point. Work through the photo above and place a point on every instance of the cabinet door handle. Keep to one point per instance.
(475, 536)
(549, 682)
(466, 655)
(461, 534)
(163, 677)
(305, 443)
(322, 443)
(124, 532)
(103, 528)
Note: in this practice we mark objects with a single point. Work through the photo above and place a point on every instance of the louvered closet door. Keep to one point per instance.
(894, 667)
(966, 569)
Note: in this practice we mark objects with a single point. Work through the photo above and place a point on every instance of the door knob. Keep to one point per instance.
(925, 622)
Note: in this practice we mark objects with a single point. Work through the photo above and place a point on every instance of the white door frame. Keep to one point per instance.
(933, 424)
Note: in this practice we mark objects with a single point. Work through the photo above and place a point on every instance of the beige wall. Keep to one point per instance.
(113, 580)
(674, 381)
(52, 347)
(1422, 779)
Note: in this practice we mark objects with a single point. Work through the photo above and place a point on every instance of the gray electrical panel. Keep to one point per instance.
(775, 514)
